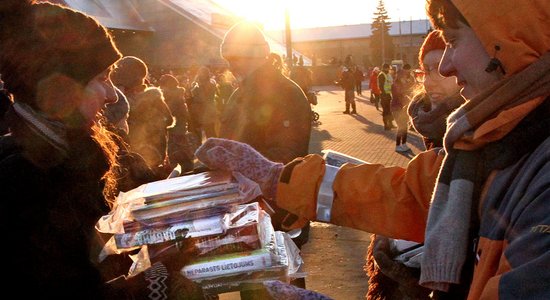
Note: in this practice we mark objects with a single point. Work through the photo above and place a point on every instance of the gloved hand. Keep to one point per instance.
(230, 155)
(163, 280)
(176, 256)
(163, 283)
(279, 290)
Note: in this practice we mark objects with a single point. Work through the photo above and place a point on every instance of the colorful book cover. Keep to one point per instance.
(196, 228)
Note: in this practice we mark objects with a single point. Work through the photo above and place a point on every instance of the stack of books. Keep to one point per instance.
(232, 237)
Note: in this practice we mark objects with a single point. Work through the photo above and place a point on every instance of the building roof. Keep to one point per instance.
(111, 14)
(122, 14)
(346, 32)
(217, 20)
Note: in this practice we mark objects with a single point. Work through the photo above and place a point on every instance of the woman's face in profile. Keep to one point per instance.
(99, 92)
(437, 87)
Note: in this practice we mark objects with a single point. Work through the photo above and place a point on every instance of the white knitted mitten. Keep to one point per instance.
(230, 155)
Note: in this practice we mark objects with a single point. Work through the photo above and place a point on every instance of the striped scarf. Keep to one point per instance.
(53, 132)
(480, 138)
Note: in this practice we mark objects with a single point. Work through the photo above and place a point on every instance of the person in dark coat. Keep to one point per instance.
(347, 82)
(149, 117)
(202, 105)
(359, 77)
(179, 151)
(57, 165)
(268, 110)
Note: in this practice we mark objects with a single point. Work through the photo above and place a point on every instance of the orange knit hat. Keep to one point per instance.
(434, 41)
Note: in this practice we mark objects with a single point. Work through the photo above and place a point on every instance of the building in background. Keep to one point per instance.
(167, 34)
(330, 45)
(182, 35)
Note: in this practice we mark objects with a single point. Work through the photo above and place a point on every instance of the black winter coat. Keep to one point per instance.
(271, 113)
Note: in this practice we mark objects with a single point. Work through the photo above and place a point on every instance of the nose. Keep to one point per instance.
(446, 67)
(429, 82)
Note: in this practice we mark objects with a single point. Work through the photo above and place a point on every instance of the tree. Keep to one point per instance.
(382, 48)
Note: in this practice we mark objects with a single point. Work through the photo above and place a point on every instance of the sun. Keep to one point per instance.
(270, 14)
(315, 13)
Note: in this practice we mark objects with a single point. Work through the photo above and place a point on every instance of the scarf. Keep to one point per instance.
(478, 139)
(52, 132)
(431, 120)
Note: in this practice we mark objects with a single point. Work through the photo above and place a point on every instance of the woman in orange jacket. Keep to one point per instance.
(479, 205)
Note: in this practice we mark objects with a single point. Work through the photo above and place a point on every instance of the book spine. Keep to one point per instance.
(231, 265)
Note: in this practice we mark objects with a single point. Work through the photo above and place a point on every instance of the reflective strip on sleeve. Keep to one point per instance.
(326, 194)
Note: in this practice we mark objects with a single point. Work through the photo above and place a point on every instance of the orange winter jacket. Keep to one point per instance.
(392, 201)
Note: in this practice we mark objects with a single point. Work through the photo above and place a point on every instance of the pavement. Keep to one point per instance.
(334, 256)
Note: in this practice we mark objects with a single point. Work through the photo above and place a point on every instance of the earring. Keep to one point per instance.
(495, 63)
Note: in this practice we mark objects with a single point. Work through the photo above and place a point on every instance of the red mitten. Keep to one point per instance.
(234, 156)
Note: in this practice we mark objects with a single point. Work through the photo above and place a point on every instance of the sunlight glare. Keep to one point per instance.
(319, 13)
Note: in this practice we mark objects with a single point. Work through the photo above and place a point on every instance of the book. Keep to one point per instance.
(279, 270)
(248, 228)
(133, 225)
(337, 159)
(189, 193)
(228, 264)
(243, 281)
(181, 200)
(197, 204)
(195, 228)
(179, 186)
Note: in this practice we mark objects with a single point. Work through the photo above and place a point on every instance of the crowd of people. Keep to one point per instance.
(390, 89)
(83, 122)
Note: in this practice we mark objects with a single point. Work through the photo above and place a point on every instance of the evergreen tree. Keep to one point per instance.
(381, 44)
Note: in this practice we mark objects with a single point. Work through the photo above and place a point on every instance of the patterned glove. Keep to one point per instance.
(230, 155)
(165, 284)
(279, 290)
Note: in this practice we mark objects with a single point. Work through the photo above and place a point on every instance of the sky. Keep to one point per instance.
(322, 13)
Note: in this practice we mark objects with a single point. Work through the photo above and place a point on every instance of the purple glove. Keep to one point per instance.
(279, 290)
(230, 155)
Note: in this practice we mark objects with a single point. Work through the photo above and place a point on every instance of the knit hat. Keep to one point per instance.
(244, 39)
(130, 72)
(168, 81)
(434, 41)
(45, 42)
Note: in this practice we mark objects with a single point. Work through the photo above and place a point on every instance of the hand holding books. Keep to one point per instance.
(230, 155)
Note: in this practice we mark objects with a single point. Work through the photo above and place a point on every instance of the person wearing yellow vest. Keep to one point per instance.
(385, 81)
